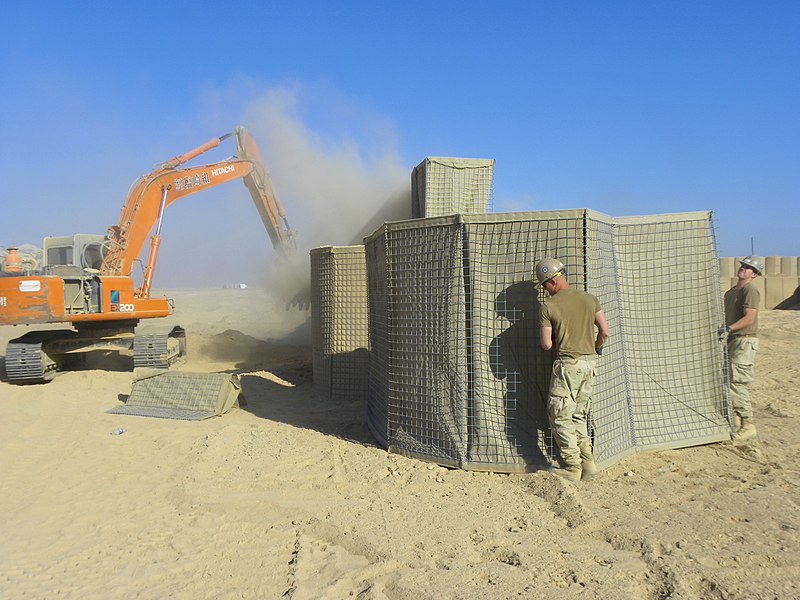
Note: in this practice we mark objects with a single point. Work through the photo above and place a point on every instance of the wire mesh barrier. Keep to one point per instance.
(448, 186)
(339, 322)
(672, 307)
(456, 373)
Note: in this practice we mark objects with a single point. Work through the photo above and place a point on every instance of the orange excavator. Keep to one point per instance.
(85, 280)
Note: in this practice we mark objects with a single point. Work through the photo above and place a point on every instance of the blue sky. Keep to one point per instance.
(621, 107)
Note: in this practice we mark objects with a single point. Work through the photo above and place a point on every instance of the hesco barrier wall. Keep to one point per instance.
(447, 186)
(457, 375)
(339, 322)
(779, 285)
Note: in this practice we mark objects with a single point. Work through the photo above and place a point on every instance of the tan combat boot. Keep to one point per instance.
(588, 467)
(571, 469)
(568, 472)
(747, 431)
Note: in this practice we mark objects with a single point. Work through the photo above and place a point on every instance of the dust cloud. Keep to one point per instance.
(335, 191)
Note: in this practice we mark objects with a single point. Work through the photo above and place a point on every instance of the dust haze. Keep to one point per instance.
(334, 191)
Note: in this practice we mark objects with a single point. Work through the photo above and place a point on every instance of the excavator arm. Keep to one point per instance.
(151, 194)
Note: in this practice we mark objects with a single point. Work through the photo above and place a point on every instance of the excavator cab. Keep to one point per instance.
(81, 251)
(75, 259)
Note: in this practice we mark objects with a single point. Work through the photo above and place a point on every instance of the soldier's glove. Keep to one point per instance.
(599, 350)
(723, 332)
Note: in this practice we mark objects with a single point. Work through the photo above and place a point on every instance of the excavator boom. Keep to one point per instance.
(151, 194)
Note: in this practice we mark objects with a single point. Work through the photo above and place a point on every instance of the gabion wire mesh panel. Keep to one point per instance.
(180, 395)
(425, 394)
(339, 316)
(378, 372)
(668, 276)
(448, 186)
(508, 371)
(610, 423)
(460, 378)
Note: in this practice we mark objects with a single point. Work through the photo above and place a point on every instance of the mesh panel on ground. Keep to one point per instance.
(448, 186)
(180, 394)
(457, 375)
(339, 322)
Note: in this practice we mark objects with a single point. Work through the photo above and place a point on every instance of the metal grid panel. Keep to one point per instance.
(509, 372)
(427, 364)
(339, 319)
(449, 186)
(462, 356)
(378, 373)
(610, 418)
(322, 289)
(668, 276)
(180, 394)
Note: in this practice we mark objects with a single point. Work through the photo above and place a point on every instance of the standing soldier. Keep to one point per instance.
(567, 321)
(741, 325)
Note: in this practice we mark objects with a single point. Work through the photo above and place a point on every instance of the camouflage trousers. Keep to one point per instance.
(568, 405)
(741, 360)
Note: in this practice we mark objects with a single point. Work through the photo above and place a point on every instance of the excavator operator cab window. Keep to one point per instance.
(59, 255)
(81, 251)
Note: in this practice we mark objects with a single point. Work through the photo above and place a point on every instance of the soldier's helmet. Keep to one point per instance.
(753, 263)
(547, 268)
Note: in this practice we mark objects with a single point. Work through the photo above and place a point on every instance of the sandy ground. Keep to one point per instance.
(289, 497)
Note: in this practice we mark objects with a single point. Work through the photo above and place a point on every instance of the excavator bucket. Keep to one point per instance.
(264, 196)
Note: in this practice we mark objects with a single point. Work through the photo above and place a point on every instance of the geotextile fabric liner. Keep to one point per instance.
(339, 322)
(457, 375)
(180, 394)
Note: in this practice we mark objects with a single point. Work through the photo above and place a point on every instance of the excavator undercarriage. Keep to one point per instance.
(37, 356)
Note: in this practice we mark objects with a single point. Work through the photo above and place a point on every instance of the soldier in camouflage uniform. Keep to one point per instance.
(567, 321)
(741, 327)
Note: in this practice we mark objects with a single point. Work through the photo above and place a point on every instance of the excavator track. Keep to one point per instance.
(159, 349)
(27, 362)
(38, 356)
